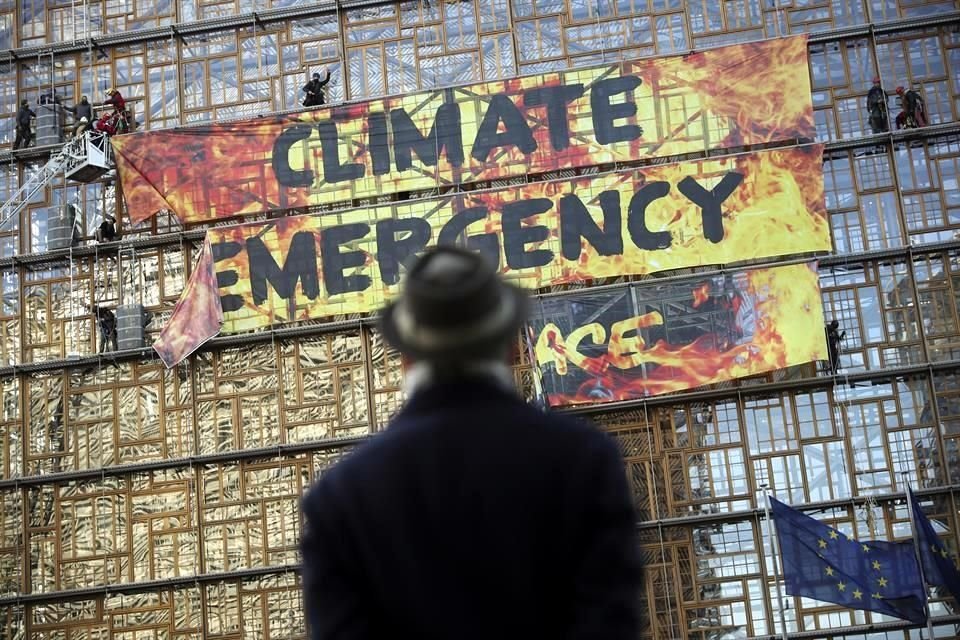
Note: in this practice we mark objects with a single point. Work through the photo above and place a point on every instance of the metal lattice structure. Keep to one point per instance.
(137, 501)
(83, 158)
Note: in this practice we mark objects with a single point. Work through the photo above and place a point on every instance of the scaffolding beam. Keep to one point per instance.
(83, 159)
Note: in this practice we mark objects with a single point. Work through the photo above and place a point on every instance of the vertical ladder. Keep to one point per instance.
(129, 273)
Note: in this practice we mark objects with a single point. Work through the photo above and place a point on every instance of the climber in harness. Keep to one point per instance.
(122, 122)
(314, 90)
(107, 323)
(877, 108)
(24, 134)
(82, 115)
(107, 231)
(914, 112)
(834, 339)
(108, 123)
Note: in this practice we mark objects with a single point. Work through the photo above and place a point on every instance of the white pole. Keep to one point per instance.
(916, 551)
(775, 549)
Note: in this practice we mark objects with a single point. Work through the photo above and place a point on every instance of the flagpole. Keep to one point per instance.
(775, 549)
(916, 551)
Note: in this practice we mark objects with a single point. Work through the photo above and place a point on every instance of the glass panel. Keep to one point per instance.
(684, 458)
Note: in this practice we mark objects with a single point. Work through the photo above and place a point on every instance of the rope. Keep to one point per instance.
(103, 500)
(279, 392)
(436, 140)
(256, 44)
(840, 399)
(69, 210)
(603, 49)
(341, 51)
(776, 17)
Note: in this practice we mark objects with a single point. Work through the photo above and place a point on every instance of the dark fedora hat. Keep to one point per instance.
(453, 306)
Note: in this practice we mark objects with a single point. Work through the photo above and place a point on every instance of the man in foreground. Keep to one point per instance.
(474, 515)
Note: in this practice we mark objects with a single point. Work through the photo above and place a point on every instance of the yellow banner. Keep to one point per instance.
(655, 338)
(734, 96)
(718, 211)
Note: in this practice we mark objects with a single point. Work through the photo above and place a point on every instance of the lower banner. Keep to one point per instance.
(762, 204)
(650, 339)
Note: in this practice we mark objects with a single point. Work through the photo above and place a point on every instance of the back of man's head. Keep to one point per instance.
(454, 310)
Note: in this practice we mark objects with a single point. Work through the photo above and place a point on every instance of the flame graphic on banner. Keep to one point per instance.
(776, 209)
(743, 94)
(788, 330)
(701, 294)
(787, 181)
(200, 302)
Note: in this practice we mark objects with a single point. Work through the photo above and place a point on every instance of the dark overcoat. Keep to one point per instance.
(474, 515)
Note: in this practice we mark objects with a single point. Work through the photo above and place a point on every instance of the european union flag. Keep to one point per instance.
(821, 563)
(939, 567)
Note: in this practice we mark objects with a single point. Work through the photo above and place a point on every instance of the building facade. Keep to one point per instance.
(141, 502)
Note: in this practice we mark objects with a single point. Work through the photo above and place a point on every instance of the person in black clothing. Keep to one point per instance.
(877, 108)
(24, 134)
(834, 338)
(314, 90)
(473, 515)
(107, 231)
(82, 115)
(107, 322)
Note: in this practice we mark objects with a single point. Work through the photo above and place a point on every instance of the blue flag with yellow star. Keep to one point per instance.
(939, 567)
(821, 563)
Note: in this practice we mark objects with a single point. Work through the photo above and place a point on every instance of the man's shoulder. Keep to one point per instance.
(567, 423)
(357, 468)
(586, 437)
(506, 414)
(414, 431)
(368, 453)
